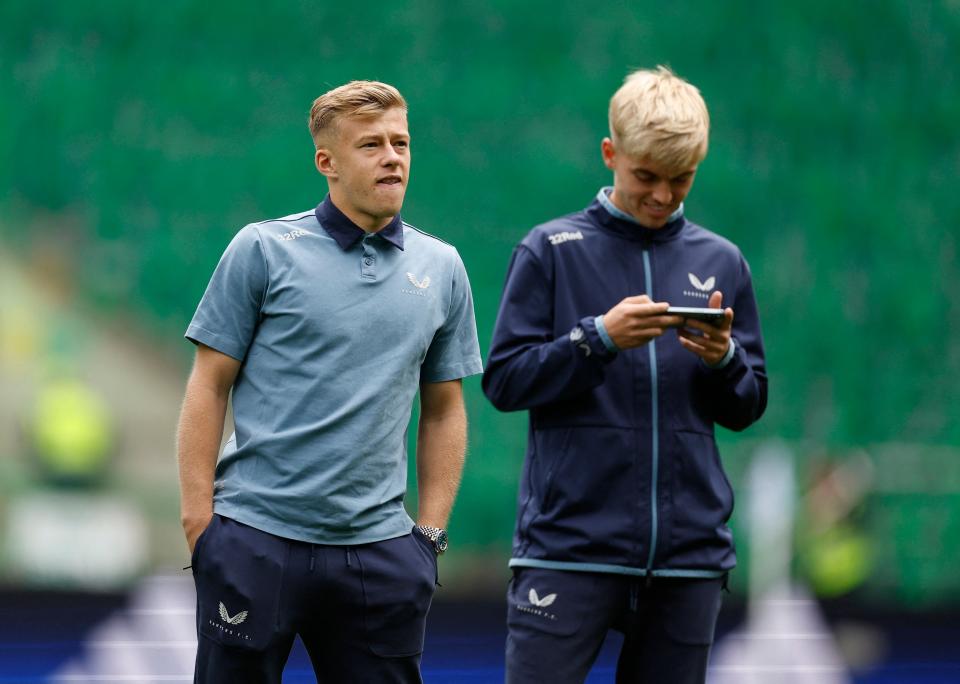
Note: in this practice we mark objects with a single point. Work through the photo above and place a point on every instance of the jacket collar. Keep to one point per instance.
(608, 216)
(347, 233)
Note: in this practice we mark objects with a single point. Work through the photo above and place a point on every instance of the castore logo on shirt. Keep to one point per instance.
(703, 289)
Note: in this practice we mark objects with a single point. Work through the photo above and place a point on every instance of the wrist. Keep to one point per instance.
(725, 359)
(436, 535)
(604, 335)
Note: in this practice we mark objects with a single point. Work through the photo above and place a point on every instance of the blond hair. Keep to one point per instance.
(356, 98)
(657, 115)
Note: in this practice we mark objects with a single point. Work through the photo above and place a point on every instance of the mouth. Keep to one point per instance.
(657, 209)
(390, 180)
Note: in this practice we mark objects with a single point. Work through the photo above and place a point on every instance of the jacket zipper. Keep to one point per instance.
(654, 410)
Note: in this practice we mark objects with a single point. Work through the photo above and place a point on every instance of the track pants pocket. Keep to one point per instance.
(399, 579)
(239, 579)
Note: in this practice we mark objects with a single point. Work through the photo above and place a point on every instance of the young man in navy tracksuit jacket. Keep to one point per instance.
(623, 502)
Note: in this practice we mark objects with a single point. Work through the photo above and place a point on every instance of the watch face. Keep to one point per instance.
(441, 542)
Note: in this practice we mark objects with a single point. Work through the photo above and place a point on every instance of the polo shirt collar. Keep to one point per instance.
(346, 233)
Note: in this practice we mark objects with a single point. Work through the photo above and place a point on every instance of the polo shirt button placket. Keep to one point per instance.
(368, 264)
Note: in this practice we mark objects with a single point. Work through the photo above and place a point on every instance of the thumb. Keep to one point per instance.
(716, 300)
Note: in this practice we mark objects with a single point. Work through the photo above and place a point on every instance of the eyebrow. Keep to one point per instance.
(376, 137)
(647, 172)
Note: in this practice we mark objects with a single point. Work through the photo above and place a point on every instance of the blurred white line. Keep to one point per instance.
(142, 644)
(806, 637)
(776, 670)
(158, 611)
(125, 678)
(153, 640)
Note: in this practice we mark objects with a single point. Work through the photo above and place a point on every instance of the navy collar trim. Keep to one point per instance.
(346, 233)
(629, 227)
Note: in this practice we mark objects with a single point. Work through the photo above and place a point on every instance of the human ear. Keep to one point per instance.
(324, 161)
(608, 152)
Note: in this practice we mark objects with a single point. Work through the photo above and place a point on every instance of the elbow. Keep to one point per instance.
(744, 415)
(495, 389)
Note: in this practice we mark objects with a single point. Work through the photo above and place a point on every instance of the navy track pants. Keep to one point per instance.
(557, 621)
(360, 610)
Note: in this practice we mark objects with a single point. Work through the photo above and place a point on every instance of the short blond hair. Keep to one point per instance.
(356, 98)
(659, 116)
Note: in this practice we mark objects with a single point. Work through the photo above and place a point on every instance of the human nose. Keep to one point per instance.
(392, 157)
(662, 193)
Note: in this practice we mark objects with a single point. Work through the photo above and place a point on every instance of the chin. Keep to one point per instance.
(387, 209)
(394, 207)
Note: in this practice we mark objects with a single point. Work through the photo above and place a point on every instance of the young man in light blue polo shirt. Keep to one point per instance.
(324, 325)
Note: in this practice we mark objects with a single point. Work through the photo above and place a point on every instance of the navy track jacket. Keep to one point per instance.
(622, 472)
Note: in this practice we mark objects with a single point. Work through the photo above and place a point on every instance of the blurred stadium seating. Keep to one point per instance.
(136, 139)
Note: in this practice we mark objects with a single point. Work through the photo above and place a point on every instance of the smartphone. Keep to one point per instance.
(712, 316)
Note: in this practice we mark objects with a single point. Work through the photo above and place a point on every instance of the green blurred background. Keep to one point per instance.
(136, 139)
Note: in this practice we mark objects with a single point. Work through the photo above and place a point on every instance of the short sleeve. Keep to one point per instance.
(455, 350)
(227, 316)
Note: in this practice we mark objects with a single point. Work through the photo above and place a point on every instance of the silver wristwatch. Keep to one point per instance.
(436, 536)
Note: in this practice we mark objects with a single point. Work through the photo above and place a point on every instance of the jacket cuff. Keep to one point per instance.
(722, 363)
(602, 332)
(586, 336)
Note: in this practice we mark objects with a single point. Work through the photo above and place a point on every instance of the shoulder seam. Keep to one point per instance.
(536, 259)
(423, 232)
(266, 267)
(302, 216)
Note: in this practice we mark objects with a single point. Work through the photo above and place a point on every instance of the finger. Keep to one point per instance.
(691, 345)
(694, 324)
(638, 299)
(668, 321)
(647, 309)
(716, 299)
(712, 346)
(696, 337)
(649, 333)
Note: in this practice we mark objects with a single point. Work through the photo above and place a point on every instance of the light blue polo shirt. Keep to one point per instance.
(336, 328)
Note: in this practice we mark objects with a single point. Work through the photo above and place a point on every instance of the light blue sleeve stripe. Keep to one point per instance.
(602, 332)
(722, 363)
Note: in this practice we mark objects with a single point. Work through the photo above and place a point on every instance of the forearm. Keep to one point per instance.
(441, 449)
(739, 393)
(199, 433)
(544, 373)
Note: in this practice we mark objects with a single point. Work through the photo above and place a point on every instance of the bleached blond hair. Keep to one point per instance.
(659, 116)
(356, 98)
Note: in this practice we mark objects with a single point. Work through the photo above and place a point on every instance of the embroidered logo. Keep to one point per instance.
(236, 619)
(705, 285)
(293, 234)
(579, 338)
(420, 284)
(419, 288)
(702, 288)
(565, 236)
(541, 602)
(537, 605)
